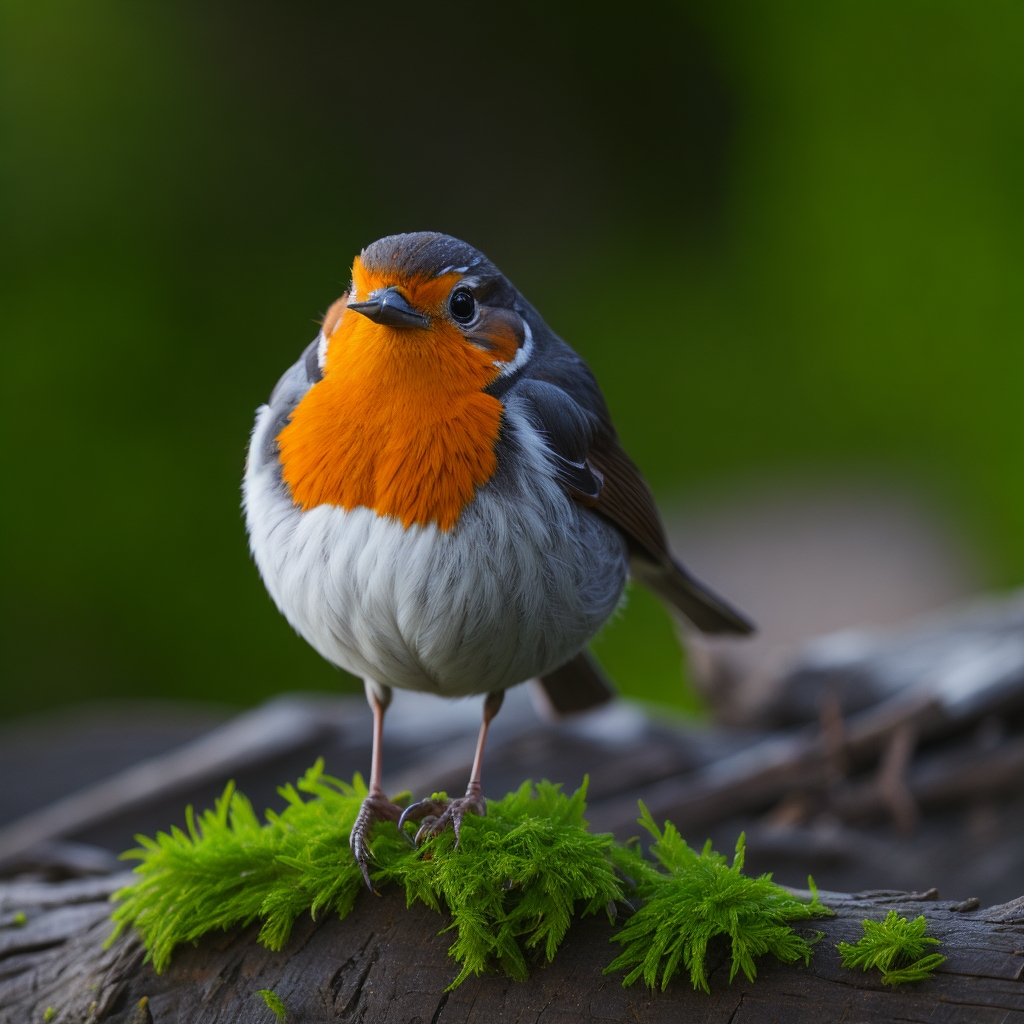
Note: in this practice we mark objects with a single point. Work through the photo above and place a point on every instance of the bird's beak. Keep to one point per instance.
(389, 307)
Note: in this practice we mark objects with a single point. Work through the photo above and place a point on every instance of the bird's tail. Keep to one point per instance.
(696, 600)
(577, 685)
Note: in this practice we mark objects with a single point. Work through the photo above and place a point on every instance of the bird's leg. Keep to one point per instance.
(473, 791)
(376, 806)
(472, 802)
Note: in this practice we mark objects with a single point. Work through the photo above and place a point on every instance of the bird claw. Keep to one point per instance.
(423, 811)
(375, 807)
(451, 814)
(423, 832)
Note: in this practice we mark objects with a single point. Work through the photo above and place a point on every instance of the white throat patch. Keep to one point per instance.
(522, 356)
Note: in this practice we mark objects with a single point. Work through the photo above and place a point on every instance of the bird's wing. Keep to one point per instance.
(626, 500)
(595, 469)
(569, 430)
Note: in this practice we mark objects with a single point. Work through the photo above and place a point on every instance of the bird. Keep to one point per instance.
(437, 500)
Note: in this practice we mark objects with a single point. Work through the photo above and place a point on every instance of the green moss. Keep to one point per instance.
(230, 869)
(896, 947)
(696, 896)
(512, 887)
(274, 1003)
(515, 881)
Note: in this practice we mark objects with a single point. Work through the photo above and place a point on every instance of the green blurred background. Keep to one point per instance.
(783, 234)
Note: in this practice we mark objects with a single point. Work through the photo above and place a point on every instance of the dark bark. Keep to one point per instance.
(388, 963)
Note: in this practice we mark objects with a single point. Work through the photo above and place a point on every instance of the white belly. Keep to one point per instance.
(520, 584)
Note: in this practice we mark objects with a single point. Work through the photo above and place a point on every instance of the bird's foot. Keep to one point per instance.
(376, 807)
(424, 811)
(437, 815)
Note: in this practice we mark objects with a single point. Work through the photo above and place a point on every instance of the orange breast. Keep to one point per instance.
(399, 424)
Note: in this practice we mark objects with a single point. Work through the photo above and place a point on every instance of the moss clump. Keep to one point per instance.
(514, 882)
(230, 869)
(274, 1003)
(512, 887)
(696, 896)
(896, 947)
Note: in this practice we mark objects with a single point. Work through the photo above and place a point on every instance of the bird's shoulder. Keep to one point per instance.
(569, 379)
(559, 395)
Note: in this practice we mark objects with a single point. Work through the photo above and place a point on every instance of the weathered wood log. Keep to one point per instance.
(962, 774)
(388, 963)
(278, 726)
(762, 774)
(970, 657)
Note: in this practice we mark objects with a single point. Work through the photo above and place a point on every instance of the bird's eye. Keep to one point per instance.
(462, 306)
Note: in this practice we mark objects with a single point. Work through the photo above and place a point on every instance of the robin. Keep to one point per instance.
(437, 500)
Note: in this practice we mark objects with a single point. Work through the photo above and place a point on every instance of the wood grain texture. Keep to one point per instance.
(386, 963)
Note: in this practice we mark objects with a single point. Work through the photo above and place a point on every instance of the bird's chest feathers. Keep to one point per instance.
(399, 424)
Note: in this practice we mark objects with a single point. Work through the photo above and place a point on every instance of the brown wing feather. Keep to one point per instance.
(626, 501)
